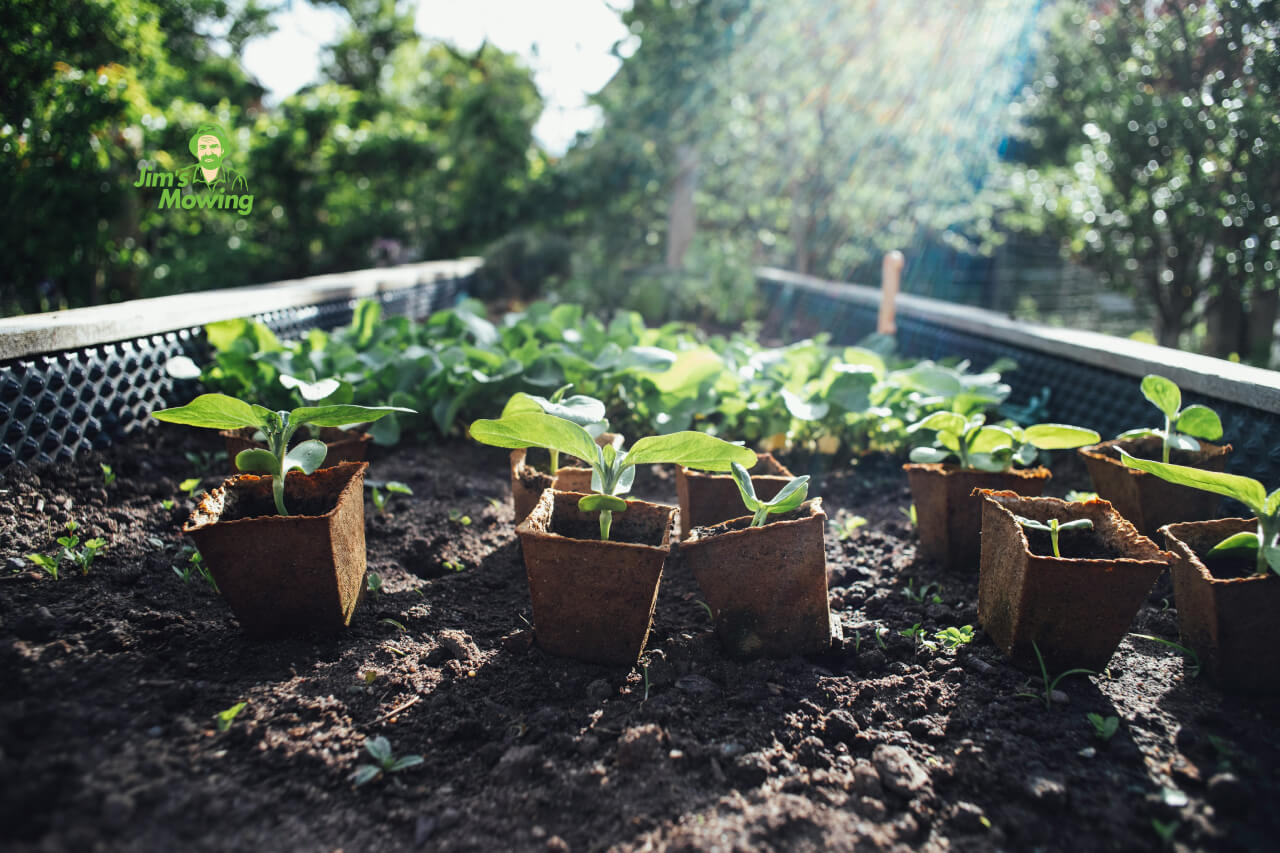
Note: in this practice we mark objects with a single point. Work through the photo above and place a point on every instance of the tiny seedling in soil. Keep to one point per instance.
(166, 504)
(195, 567)
(983, 447)
(1050, 685)
(1179, 424)
(454, 565)
(1074, 496)
(226, 718)
(206, 461)
(707, 607)
(108, 476)
(1193, 669)
(1104, 728)
(910, 513)
(72, 553)
(218, 411)
(612, 470)
(379, 748)
(374, 583)
(930, 593)
(190, 486)
(880, 632)
(847, 525)
(1165, 829)
(394, 624)
(1053, 527)
(953, 637)
(458, 517)
(788, 498)
(381, 498)
(917, 634)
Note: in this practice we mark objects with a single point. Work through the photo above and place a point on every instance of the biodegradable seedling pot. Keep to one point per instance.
(1225, 612)
(284, 575)
(766, 586)
(593, 600)
(1145, 499)
(707, 498)
(1076, 608)
(528, 483)
(949, 518)
(344, 445)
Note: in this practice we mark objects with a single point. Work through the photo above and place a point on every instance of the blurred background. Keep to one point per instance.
(1101, 164)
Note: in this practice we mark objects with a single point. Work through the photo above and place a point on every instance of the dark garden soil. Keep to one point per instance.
(110, 683)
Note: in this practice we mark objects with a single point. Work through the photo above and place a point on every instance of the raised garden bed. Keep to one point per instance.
(113, 682)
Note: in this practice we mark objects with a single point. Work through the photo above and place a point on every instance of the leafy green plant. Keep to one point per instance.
(108, 475)
(167, 504)
(1049, 685)
(847, 525)
(1181, 426)
(190, 486)
(953, 637)
(195, 567)
(788, 498)
(1262, 546)
(373, 583)
(380, 498)
(453, 565)
(612, 470)
(1166, 830)
(218, 411)
(929, 592)
(918, 635)
(1075, 496)
(586, 412)
(379, 749)
(991, 447)
(225, 718)
(1054, 527)
(457, 516)
(72, 552)
(1104, 728)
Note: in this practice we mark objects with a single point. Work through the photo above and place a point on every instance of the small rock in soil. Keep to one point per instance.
(1059, 697)
(978, 665)
(1047, 790)
(516, 762)
(840, 727)
(866, 779)
(16, 564)
(460, 646)
(423, 829)
(967, 817)
(899, 772)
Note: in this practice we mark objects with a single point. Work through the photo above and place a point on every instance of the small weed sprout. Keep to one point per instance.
(1074, 496)
(880, 632)
(917, 635)
(1050, 685)
(1053, 527)
(108, 476)
(225, 718)
(195, 567)
(73, 552)
(1193, 668)
(1165, 829)
(953, 637)
(373, 583)
(453, 565)
(190, 486)
(707, 607)
(788, 498)
(167, 504)
(847, 525)
(1104, 728)
(930, 593)
(379, 748)
(458, 517)
(381, 499)
(910, 513)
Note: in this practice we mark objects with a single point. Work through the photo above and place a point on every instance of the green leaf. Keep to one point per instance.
(364, 322)
(365, 773)
(688, 371)
(398, 487)
(1059, 436)
(1141, 432)
(312, 392)
(308, 456)
(536, 429)
(379, 747)
(1273, 503)
(405, 763)
(1241, 544)
(593, 503)
(745, 487)
(989, 461)
(1163, 394)
(929, 455)
(790, 496)
(386, 432)
(990, 438)
(1200, 421)
(225, 718)
(334, 416)
(692, 450)
(520, 404)
(1078, 524)
(941, 422)
(1031, 523)
(579, 409)
(1177, 441)
(1244, 489)
(214, 411)
(257, 460)
(1026, 454)
(802, 409)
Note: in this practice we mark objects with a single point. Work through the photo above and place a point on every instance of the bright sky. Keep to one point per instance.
(565, 42)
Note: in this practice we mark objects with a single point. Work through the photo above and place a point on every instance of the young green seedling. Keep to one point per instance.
(386, 762)
(227, 717)
(979, 446)
(218, 411)
(953, 637)
(788, 498)
(108, 476)
(1104, 727)
(1179, 424)
(72, 552)
(1262, 545)
(586, 412)
(929, 592)
(612, 470)
(846, 526)
(380, 498)
(1048, 686)
(1053, 527)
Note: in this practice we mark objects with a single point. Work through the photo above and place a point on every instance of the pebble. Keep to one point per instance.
(1047, 790)
(423, 829)
(16, 564)
(517, 761)
(978, 665)
(696, 685)
(899, 772)
(460, 645)
(1059, 697)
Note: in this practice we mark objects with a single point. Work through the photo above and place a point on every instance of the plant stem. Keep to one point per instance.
(760, 516)
(1168, 431)
(1053, 536)
(555, 462)
(606, 521)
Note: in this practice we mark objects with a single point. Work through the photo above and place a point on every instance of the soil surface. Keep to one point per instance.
(112, 682)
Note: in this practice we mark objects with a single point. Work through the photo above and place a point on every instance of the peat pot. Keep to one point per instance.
(766, 586)
(593, 600)
(1145, 499)
(949, 518)
(344, 445)
(285, 575)
(707, 499)
(1076, 608)
(528, 483)
(1225, 613)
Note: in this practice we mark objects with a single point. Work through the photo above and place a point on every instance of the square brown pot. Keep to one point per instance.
(344, 445)
(949, 518)
(1145, 499)
(1229, 622)
(528, 483)
(1076, 610)
(285, 575)
(707, 498)
(593, 600)
(766, 586)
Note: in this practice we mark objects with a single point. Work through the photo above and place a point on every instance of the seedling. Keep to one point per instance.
(167, 504)
(1262, 545)
(917, 634)
(910, 513)
(1165, 829)
(1053, 527)
(1180, 425)
(218, 411)
(1104, 727)
(930, 592)
(373, 583)
(108, 476)
(1050, 685)
(195, 567)
(379, 748)
(954, 638)
(227, 717)
(458, 517)
(190, 486)
(977, 445)
(73, 552)
(1074, 496)
(206, 461)
(707, 607)
(399, 626)
(381, 498)
(612, 470)
(880, 632)
(788, 498)
(1193, 669)
(846, 526)
(586, 412)
(453, 565)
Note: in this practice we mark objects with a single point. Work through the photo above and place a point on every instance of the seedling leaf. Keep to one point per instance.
(1200, 421)
(1162, 393)
(1059, 436)
(214, 411)
(1244, 489)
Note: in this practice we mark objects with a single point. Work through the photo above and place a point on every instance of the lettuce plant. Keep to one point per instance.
(218, 411)
(1179, 424)
(788, 498)
(992, 447)
(612, 470)
(1262, 545)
